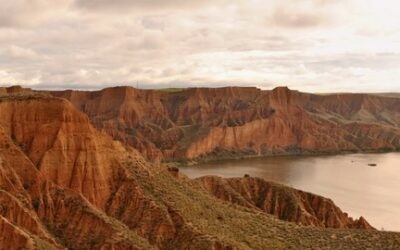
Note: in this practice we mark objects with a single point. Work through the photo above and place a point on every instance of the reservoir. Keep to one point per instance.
(360, 184)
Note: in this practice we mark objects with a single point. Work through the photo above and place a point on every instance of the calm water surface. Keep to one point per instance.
(359, 189)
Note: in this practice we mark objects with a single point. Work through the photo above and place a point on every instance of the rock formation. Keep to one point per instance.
(285, 203)
(226, 122)
(64, 184)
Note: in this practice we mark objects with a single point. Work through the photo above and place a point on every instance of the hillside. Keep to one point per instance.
(65, 184)
(283, 202)
(393, 95)
(202, 124)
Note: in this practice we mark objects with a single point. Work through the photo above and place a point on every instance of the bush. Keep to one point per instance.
(36, 203)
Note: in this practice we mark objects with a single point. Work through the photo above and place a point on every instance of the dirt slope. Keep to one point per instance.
(285, 203)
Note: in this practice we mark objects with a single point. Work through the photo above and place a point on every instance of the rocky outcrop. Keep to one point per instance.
(14, 90)
(219, 123)
(70, 178)
(13, 237)
(129, 115)
(63, 184)
(283, 202)
(49, 215)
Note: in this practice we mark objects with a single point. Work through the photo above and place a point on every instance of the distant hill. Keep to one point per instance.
(214, 123)
(395, 95)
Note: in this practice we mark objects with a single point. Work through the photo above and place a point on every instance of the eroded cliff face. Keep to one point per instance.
(63, 184)
(69, 185)
(129, 115)
(216, 123)
(283, 202)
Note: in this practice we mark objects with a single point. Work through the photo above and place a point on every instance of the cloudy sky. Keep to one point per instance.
(310, 45)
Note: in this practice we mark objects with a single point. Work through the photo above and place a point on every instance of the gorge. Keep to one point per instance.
(199, 125)
(66, 183)
(203, 124)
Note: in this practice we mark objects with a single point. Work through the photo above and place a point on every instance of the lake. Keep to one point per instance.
(356, 187)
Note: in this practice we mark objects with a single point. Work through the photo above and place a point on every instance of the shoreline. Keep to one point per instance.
(207, 159)
(301, 169)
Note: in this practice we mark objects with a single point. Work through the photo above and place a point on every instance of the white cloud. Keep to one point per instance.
(313, 45)
(20, 13)
(17, 52)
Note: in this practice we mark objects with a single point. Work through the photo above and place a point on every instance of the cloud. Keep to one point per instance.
(153, 22)
(305, 44)
(129, 5)
(308, 13)
(20, 13)
(298, 19)
(17, 52)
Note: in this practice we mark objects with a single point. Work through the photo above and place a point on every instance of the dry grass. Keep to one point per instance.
(172, 90)
(23, 96)
(250, 229)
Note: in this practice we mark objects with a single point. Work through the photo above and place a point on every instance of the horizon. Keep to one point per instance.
(318, 46)
(184, 88)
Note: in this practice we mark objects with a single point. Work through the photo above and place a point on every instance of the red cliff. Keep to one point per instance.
(64, 184)
(283, 202)
(217, 123)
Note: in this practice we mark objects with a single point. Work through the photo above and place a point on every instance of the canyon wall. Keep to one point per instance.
(202, 123)
(69, 185)
(64, 184)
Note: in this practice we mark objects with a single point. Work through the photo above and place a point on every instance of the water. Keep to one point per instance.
(358, 189)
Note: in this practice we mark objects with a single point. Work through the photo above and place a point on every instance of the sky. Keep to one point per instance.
(308, 45)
